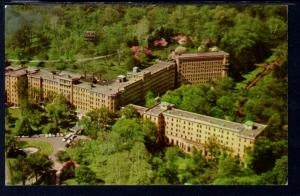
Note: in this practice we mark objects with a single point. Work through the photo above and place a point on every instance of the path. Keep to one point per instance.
(267, 68)
(57, 145)
(58, 60)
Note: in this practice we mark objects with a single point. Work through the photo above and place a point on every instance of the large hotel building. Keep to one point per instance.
(200, 68)
(177, 127)
(189, 130)
(86, 96)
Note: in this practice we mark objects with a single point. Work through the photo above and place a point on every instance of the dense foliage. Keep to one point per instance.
(26, 167)
(248, 33)
(123, 148)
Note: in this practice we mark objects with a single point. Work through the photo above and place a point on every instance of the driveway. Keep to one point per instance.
(57, 145)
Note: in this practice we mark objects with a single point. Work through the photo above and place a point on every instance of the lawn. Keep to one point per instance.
(9, 162)
(15, 112)
(44, 147)
(71, 181)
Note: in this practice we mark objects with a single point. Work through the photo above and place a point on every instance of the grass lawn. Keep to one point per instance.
(71, 181)
(9, 161)
(44, 147)
(15, 112)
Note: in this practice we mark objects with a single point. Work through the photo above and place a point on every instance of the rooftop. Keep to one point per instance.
(69, 75)
(154, 68)
(232, 126)
(16, 72)
(140, 109)
(202, 55)
(12, 68)
(156, 110)
(103, 89)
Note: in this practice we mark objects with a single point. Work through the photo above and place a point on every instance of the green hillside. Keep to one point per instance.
(56, 32)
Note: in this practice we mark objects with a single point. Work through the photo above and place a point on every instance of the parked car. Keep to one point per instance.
(67, 137)
(73, 137)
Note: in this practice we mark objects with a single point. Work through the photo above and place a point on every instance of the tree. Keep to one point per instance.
(8, 119)
(213, 147)
(23, 127)
(12, 148)
(103, 117)
(170, 168)
(21, 41)
(129, 112)
(22, 170)
(228, 167)
(262, 156)
(22, 87)
(85, 175)
(150, 99)
(55, 113)
(60, 112)
(151, 134)
(117, 168)
(36, 119)
(140, 170)
(40, 164)
(125, 132)
(280, 170)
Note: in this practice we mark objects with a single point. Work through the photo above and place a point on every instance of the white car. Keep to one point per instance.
(67, 137)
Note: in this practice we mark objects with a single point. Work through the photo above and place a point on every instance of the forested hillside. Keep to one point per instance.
(122, 147)
(56, 32)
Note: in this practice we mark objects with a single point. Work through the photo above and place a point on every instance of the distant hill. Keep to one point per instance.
(54, 32)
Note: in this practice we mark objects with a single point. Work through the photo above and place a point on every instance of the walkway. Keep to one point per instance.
(58, 60)
(57, 145)
(267, 68)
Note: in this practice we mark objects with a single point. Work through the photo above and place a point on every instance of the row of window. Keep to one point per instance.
(226, 143)
(202, 68)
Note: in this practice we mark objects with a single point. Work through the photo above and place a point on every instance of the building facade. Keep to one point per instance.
(86, 96)
(199, 68)
(189, 130)
(132, 88)
(12, 76)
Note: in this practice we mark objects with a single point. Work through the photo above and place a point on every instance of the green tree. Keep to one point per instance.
(21, 41)
(85, 175)
(8, 119)
(228, 167)
(40, 164)
(262, 156)
(129, 112)
(151, 134)
(103, 117)
(55, 113)
(22, 87)
(125, 132)
(150, 99)
(280, 170)
(140, 171)
(22, 170)
(61, 113)
(23, 127)
(10, 144)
